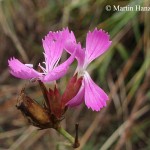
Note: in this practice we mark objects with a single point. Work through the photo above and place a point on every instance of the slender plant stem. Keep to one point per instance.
(66, 135)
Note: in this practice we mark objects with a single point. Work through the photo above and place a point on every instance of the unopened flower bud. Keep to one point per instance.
(71, 90)
(54, 98)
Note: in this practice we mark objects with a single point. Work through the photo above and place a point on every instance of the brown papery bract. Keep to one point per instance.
(34, 113)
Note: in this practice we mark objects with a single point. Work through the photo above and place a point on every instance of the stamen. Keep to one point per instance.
(43, 69)
(56, 63)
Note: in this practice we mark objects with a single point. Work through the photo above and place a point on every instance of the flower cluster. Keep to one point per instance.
(80, 87)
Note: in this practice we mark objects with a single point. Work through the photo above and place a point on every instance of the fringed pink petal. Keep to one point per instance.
(53, 49)
(54, 44)
(97, 42)
(80, 53)
(95, 97)
(21, 70)
(71, 45)
(59, 71)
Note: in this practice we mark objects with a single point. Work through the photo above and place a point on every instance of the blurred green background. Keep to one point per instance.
(123, 72)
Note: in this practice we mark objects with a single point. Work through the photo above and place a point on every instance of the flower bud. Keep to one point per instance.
(71, 90)
(54, 98)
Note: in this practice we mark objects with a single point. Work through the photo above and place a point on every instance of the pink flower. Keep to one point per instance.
(53, 44)
(97, 42)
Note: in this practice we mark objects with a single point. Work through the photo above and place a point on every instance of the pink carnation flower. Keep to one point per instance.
(53, 44)
(97, 42)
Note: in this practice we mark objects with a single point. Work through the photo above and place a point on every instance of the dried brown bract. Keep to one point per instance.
(35, 113)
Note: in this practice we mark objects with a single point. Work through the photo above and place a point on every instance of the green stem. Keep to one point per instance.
(66, 135)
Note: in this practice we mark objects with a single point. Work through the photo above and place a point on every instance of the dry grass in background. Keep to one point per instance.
(124, 72)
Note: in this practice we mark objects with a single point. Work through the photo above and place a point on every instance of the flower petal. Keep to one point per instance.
(78, 99)
(69, 36)
(97, 42)
(59, 71)
(70, 47)
(53, 46)
(21, 70)
(95, 97)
